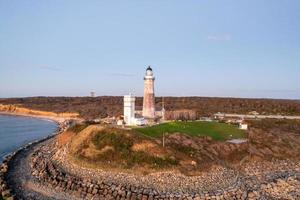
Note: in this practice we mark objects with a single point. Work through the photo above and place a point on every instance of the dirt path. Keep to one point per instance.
(23, 184)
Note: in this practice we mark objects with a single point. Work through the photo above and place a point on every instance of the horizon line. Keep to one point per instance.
(160, 96)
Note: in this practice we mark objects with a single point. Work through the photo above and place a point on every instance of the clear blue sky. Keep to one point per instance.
(248, 48)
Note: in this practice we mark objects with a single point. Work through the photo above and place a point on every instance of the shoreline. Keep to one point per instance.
(5, 165)
(57, 120)
(61, 123)
(5, 190)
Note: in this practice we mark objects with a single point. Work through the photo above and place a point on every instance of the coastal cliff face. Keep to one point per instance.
(25, 111)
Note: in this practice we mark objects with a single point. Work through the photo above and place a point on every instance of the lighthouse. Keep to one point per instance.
(149, 97)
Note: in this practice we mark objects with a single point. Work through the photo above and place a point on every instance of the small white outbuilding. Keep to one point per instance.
(129, 112)
(129, 109)
(243, 126)
(120, 122)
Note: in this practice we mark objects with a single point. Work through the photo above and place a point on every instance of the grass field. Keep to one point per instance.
(218, 131)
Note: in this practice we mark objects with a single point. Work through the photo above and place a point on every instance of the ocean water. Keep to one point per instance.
(16, 132)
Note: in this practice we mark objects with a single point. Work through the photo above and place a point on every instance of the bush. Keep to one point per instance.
(77, 128)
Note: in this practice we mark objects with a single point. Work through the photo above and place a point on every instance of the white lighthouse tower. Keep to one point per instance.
(129, 109)
(149, 97)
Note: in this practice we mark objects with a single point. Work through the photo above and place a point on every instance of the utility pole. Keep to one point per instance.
(163, 111)
(163, 139)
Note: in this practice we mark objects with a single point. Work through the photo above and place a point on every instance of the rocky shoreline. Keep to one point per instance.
(6, 189)
(50, 180)
(277, 179)
(41, 170)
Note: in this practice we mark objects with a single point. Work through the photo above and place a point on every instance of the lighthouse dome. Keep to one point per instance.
(149, 71)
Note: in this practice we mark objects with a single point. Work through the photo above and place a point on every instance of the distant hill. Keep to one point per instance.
(94, 107)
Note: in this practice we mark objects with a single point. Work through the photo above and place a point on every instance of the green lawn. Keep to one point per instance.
(218, 131)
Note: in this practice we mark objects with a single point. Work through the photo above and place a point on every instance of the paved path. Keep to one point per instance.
(257, 116)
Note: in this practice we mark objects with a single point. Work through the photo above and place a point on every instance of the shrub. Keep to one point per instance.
(77, 128)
